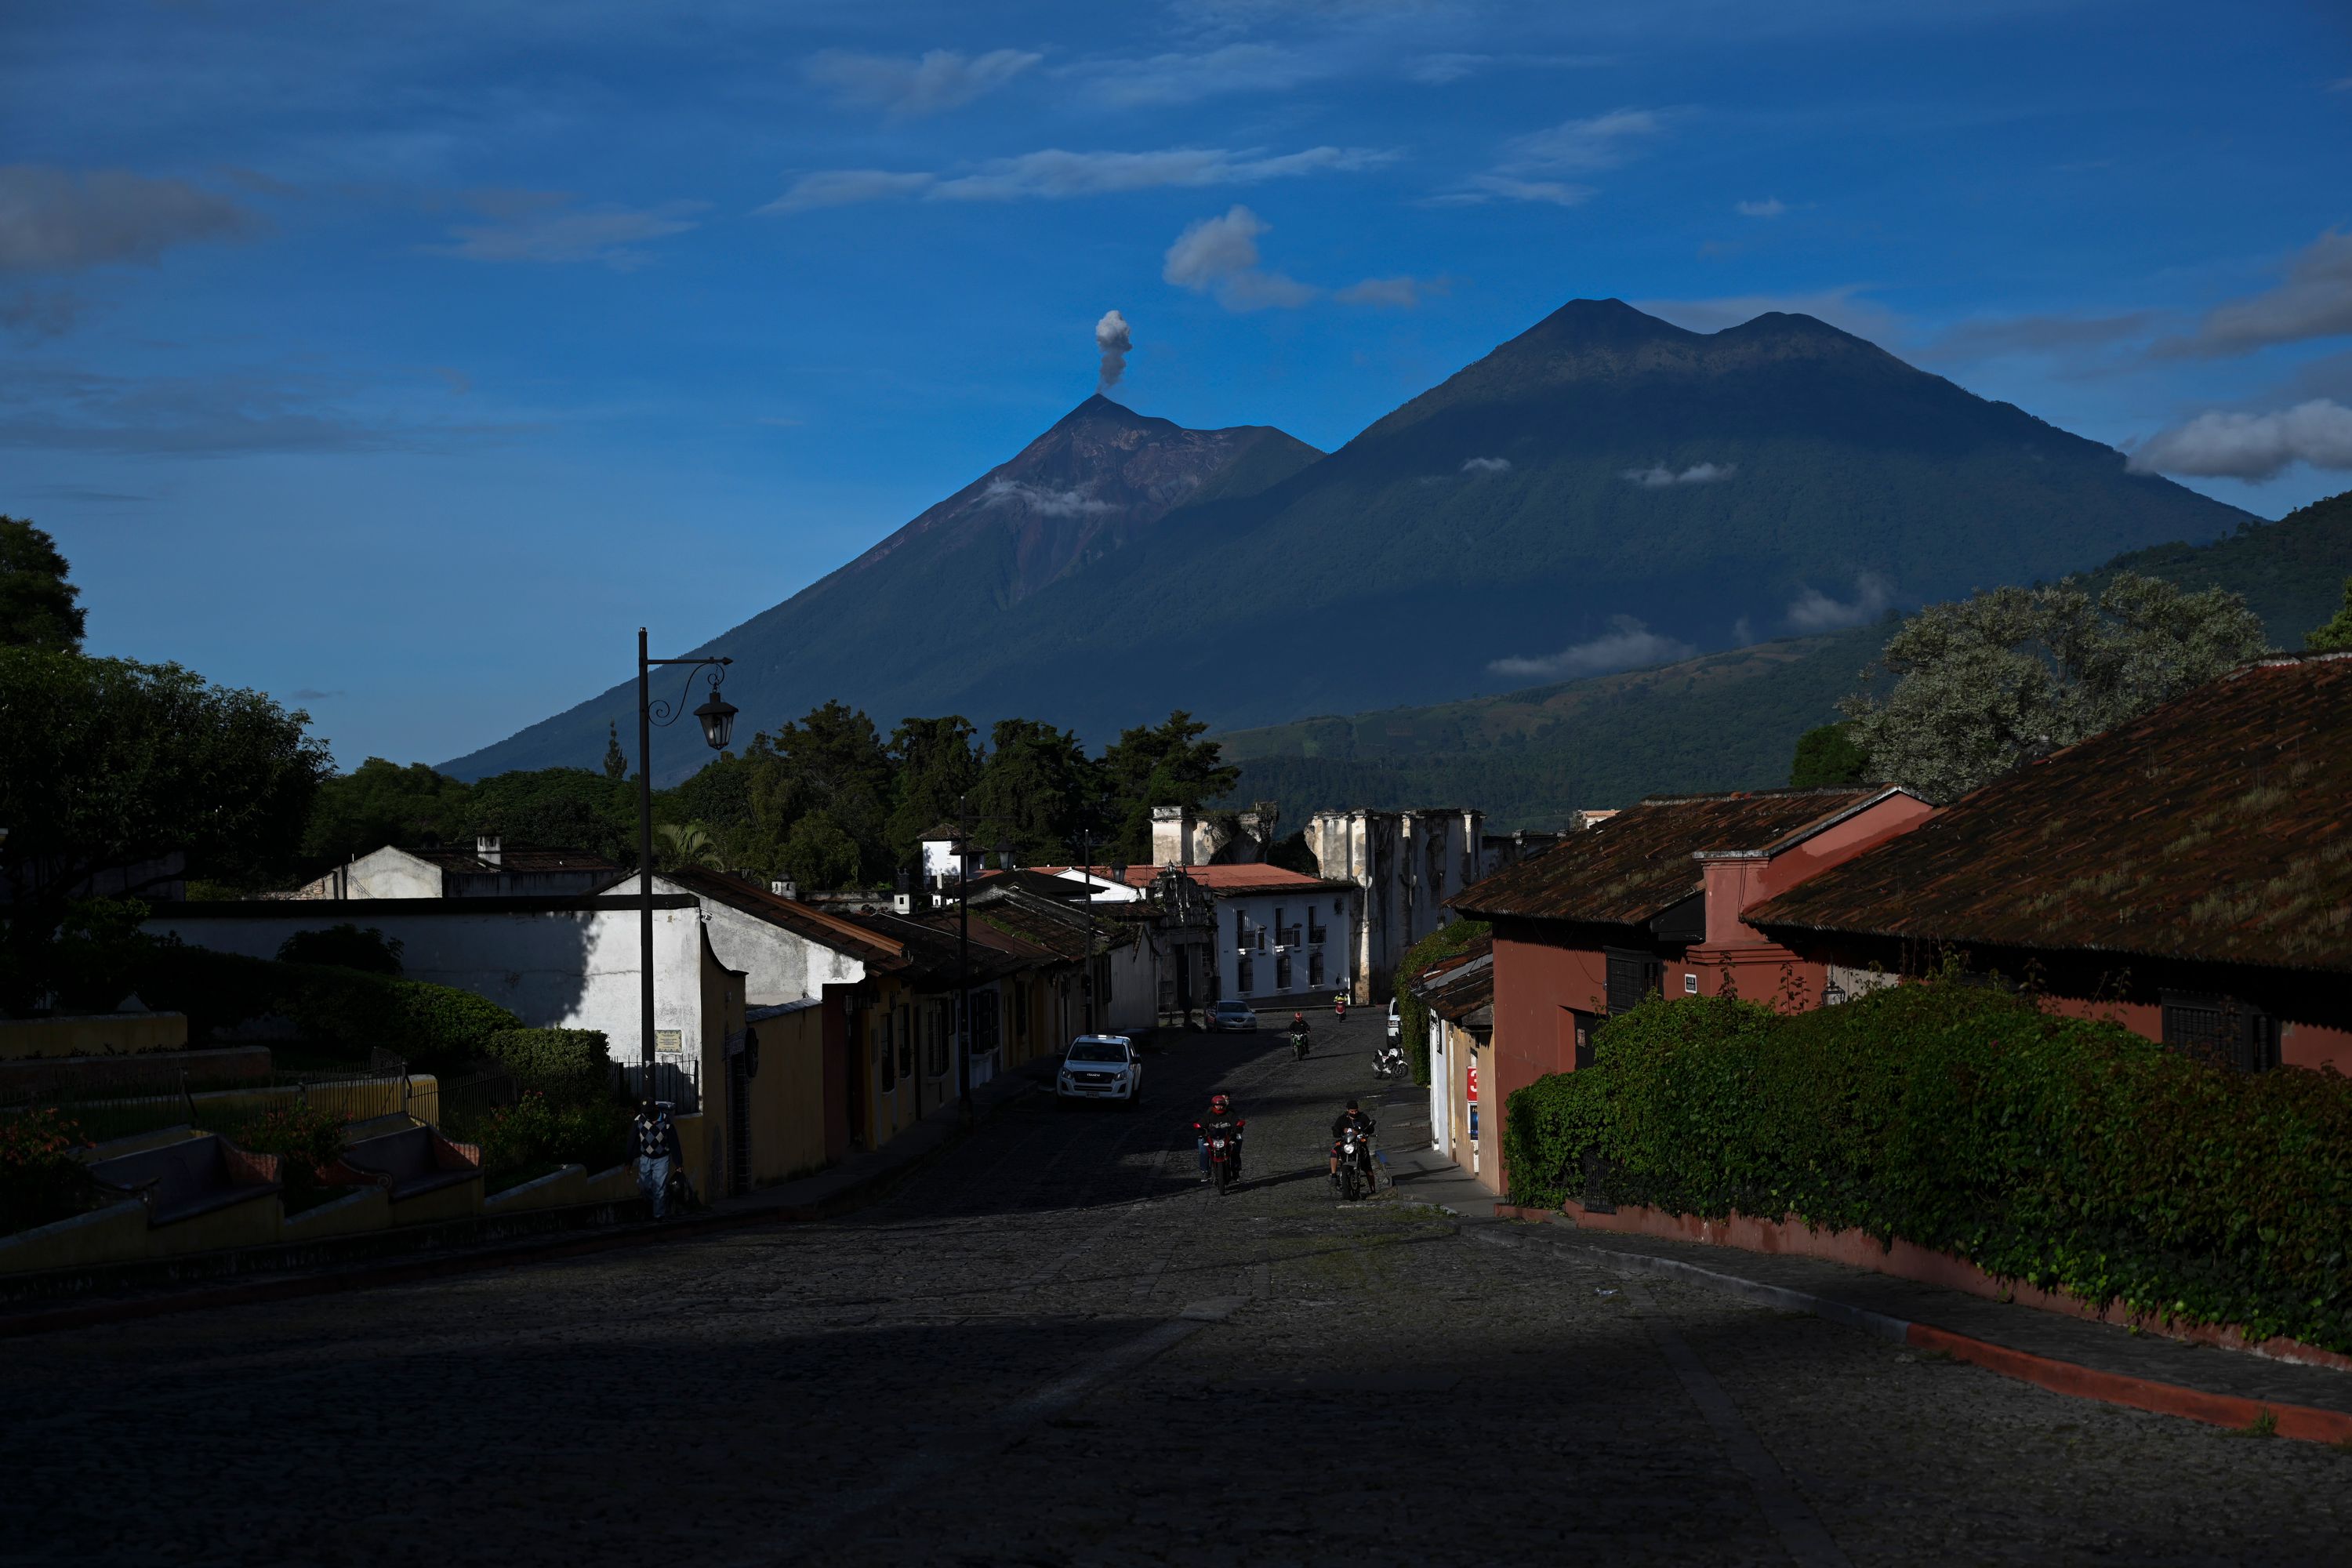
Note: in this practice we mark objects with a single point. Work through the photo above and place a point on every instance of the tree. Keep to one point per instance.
(616, 761)
(937, 763)
(108, 765)
(820, 855)
(835, 758)
(2336, 635)
(1164, 764)
(561, 808)
(380, 803)
(1036, 787)
(1985, 684)
(37, 606)
(1828, 755)
(681, 845)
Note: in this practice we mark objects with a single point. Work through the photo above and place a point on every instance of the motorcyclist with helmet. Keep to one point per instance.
(1221, 1117)
(1360, 1122)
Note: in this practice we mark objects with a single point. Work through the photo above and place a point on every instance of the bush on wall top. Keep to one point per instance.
(567, 1065)
(436, 1027)
(2073, 1154)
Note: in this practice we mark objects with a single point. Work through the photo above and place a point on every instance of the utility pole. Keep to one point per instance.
(963, 955)
(1085, 875)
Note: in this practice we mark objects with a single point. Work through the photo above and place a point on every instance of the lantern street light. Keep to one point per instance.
(716, 717)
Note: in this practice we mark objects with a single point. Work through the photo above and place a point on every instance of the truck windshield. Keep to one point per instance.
(1095, 1051)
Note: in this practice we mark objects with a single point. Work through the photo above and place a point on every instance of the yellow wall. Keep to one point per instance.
(98, 1034)
(115, 1232)
(787, 1097)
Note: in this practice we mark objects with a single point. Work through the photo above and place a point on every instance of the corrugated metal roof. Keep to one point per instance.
(1638, 864)
(791, 915)
(2213, 829)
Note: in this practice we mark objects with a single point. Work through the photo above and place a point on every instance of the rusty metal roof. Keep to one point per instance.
(2214, 828)
(1638, 864)
(802, 919)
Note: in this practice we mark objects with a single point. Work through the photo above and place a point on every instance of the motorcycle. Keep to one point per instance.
(1356, 1177)
(1225, 1141)
(1339, 1006)
(1298, 1045)
(1388, 1061)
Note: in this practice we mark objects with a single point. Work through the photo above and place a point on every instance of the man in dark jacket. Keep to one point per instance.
(655, 1140)
(1362, 1123)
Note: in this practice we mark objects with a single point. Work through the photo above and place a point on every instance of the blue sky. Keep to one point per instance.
(401, 360)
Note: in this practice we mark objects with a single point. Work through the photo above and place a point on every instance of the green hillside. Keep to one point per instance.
(1727, 721)
(1603, 481)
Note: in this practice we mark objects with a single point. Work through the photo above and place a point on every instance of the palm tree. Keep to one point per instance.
(684, 844)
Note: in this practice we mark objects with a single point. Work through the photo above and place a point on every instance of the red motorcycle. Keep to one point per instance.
(1223, 1140)
(1339, 1006)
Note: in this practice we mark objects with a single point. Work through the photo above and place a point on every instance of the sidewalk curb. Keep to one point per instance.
(2301, 1422)
(366, 1277)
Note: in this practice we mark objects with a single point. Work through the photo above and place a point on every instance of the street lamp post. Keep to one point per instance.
(1085, 879)
(717, 716)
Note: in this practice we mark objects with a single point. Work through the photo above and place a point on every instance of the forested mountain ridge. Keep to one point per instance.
(1726, 720)
(1603, 490)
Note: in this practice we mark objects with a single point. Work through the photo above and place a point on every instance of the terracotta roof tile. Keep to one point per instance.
(2214, 828)
(1638, 864)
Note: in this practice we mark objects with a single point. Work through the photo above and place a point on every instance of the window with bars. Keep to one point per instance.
(1631, 976)
(1246, 979)
(1315, 968)
(1282, 971)
(2222, 1029)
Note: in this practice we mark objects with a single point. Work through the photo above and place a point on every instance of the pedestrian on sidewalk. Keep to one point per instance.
(657, 1153)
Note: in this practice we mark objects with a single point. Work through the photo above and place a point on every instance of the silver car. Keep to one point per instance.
(1233, 1016)
(1100, 1067)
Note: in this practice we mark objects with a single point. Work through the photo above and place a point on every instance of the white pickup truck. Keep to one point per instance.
(1100, 1067)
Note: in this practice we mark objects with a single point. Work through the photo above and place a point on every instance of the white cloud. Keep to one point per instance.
(1043, 501)
(1659, 476)
(1842, 307)
(1992, 337)
(1530, 166)
(848, 187)
(1397, 293)
(543, 226)
(1160, 79)
(57, 220)
(937, 81)
(2316, 301)
(2218, 445)
(1627, 645)
(1603, 142)
(1770, 206)
(1219, 255)
(1054, 173)
(1814, 611)
(1486, 466)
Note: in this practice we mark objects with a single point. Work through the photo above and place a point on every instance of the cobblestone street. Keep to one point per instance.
(1054, 1346)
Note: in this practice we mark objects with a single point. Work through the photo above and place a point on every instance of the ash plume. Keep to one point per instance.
(1111, 337)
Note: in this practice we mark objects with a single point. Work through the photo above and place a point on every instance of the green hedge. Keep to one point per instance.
(566, 1065)
(1413, 1015)
(436, 1027)
(2072, 1154)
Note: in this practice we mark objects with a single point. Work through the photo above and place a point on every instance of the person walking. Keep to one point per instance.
(657, 1153)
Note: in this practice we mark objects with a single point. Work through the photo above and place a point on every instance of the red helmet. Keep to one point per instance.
(1220, 1103)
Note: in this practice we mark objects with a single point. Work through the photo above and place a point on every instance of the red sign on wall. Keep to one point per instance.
(1474, 1084)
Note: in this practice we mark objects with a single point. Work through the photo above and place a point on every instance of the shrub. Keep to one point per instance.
(2072, 1154)
(344, 946)
(40, 1179)
(532, 1131)
(566, 1065)
(305, 1138)
(1412, 1016)
(434, 1027)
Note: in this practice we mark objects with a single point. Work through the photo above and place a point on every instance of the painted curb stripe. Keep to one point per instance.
(2302, 1423)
